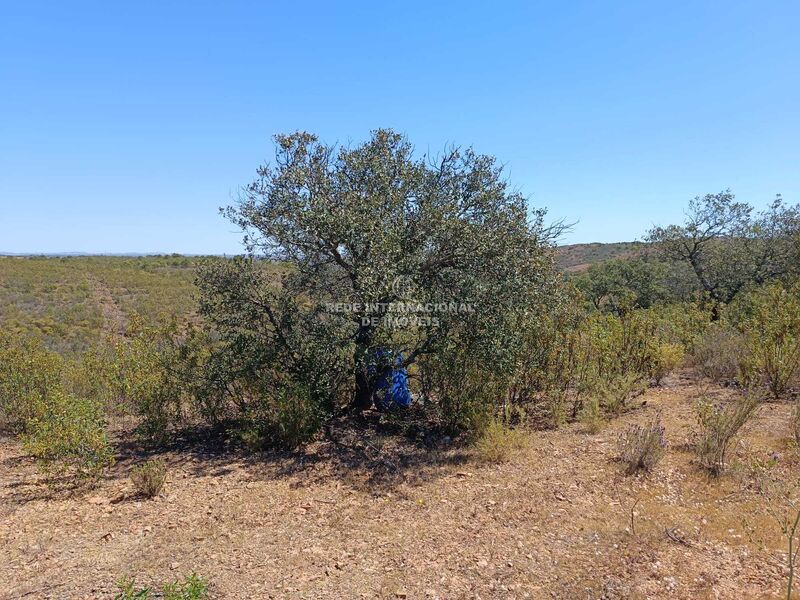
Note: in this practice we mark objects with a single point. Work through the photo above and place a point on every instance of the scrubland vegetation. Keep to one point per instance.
(96, 353)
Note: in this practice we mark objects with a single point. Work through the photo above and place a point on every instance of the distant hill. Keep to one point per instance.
(579, 257)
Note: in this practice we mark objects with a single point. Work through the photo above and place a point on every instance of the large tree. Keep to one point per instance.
(728, 245)
(379, 248)
(621, 284)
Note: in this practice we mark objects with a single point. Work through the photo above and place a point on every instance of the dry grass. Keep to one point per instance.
(149, 477)
(499, 443)
(372, 516)
(641, 447)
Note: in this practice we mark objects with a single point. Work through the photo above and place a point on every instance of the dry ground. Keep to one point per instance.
(355, 519)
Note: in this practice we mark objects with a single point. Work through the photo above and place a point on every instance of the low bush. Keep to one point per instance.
(641, 447)
(294, 417)
(68, 437)
(720, 353)
(547, 365)
(464, 394)
(718, 425)
(498, 442)
(591, 415)
(148, 478)
(191, 587)
(773, 338)
(666, 358)
(615, 392)
(29, 376)
(64, 431)
(144, 380)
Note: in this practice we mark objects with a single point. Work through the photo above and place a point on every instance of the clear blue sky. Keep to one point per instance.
(124, 126)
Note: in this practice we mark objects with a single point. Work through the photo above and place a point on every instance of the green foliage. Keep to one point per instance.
(598, 361)
(622, 284)
(591, 414)
(728, 246)
(720, 354)
(70, 303)
(143, 381)
(683, 323)
(155, 375)
(773, 337)
(718, 425)
(129, 591)
(666, 357)
(282, 416)
(632, 343)
(464, 393)
(63, 431)
(641, 447)
(548, 364)
(615, 391)
(498, 442)
(376, 230)
(148, 478)
(29, 376)
(192, 587)
(68, 437)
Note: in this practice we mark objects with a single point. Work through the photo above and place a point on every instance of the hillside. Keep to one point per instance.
(72, 302)
(579, 257)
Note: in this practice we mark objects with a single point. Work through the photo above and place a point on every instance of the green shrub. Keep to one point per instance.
(68, 437)
(547, 365)
(773, 337)
(464, 395)
(29, 376)
(682, 323)
(718, 425)
(615, 392)
(498, 442)
(157, 375)
(93, 375)
(719, 354)
(193, 587)
(591, 415)
(281, 416)
(143, 381)
(129, 591)
(641, 447)
(149, 477)
(666, 357)
(628, 345)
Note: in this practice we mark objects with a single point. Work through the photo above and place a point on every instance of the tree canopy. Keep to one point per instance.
(380, 249)
(728, 245)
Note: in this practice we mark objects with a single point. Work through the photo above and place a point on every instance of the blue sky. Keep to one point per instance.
(124, 126)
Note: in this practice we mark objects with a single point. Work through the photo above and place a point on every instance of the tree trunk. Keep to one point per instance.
(362, 399)
(715, 312)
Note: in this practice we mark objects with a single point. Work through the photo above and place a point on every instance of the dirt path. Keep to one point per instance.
(114, 319)
(553, 523)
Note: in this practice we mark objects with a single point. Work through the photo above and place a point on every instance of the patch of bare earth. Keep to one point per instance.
(355, 519)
